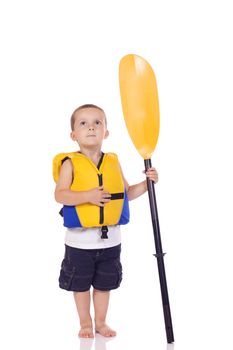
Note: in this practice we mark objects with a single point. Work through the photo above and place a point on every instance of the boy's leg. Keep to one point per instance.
(101, 301)
(82, 301)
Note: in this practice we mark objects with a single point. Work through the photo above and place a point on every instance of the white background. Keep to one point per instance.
(56, 55)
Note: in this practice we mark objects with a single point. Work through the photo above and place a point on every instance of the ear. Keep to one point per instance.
(106, 134)
(73, 136)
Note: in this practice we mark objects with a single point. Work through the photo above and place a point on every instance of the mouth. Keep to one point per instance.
(91, 135)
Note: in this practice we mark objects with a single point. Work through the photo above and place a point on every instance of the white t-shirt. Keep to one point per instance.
(90, 238)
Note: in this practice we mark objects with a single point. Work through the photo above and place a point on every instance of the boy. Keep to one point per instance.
(92, 255)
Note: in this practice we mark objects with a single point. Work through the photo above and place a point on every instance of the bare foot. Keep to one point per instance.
(86, 332)
(104, 330)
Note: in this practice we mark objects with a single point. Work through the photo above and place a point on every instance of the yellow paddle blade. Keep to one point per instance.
(139, 98)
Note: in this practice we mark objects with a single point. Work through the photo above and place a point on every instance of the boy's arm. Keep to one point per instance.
(66, 196)
(138, 189)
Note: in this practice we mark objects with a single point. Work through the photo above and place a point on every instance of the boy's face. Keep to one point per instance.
(89, 127)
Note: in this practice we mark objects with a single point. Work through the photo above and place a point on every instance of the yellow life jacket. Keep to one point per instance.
(86, 176)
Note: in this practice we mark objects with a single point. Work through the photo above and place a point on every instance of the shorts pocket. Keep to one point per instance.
(108, 276)
(66, 275)
(119, 270)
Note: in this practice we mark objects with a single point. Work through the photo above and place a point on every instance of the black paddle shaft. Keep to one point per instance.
(159, 255)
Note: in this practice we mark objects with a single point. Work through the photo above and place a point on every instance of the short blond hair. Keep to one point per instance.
(72, 119)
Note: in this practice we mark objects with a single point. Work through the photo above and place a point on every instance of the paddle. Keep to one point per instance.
(140, 106)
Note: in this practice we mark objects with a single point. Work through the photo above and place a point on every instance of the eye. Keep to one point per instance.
(82, 123)
(98, 122)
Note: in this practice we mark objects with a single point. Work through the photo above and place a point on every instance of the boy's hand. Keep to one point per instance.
(152, 174)
(98, 196)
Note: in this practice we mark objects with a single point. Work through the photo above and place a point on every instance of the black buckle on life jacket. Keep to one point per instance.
(104, 230)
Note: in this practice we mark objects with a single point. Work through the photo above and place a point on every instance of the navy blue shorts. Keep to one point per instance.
(83, 268)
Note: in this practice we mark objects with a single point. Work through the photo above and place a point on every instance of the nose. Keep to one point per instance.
(91, 127)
